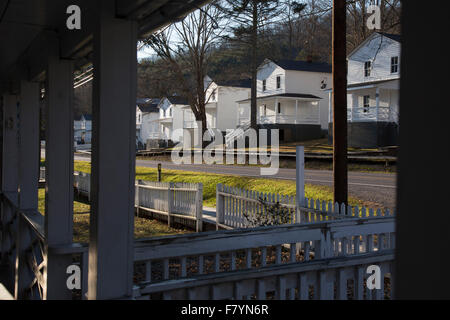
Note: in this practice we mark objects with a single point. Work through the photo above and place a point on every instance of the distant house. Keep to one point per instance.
(373, 92)
(170, 118)
(291, 97)
(82, 129)
(146, 113)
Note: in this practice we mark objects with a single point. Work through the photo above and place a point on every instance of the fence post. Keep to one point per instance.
(219, 206)
(169, 202)
(199, 207)
(300, 186)
(300, 181)
(137, 197)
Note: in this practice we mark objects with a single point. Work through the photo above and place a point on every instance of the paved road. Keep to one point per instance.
(379, 188)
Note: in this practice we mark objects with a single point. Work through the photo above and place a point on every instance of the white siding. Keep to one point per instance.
(269, 72)
(227, 110)
(379, 50)
(295, 82)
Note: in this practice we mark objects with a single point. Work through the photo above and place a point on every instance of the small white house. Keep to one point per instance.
(373, 91)
(82, 129)
(170, 118)
(291, 97)
(146, 113)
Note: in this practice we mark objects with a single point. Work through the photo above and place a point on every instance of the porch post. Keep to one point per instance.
(29, 157)
(296, 111)
(377, 103)
(29, 149)
(276, 110)
(58, 173)
(10, 172)
(113, 156)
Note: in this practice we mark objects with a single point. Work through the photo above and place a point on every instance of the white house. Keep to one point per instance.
(146, 113)
(221, 107)
(291, 97)
(82, 129)
(373, 91)
(170, 118)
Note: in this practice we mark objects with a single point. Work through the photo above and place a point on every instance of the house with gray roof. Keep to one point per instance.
(291, 97)
(373, 89)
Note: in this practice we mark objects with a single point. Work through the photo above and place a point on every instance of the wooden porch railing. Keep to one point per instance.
(25, 250)
(289, 261)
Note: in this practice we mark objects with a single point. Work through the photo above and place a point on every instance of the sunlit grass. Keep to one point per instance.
(143, 228)
(210, 181)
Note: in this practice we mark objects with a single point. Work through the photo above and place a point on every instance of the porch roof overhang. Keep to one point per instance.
(30, 30)
(289, 96)
(392, 84)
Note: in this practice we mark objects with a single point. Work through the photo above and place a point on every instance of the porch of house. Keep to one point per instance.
(296, 116)
(372, 113)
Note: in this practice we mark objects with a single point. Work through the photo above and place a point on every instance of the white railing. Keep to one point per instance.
(288, 259)
(157, 136)
(370, 114)
(175, 201)
(240, 208)
(284, 119)
(25, 250)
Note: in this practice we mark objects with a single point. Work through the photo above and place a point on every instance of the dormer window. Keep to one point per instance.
(367, 67)
(278, 82)
(394, 65)
(264, 85)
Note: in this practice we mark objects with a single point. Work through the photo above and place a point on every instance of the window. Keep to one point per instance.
(366, 104)
(367, 67)
(278, 82)
(213, 96)
(279, 107)
(170, 112)
(164, 113)
(264, 85)
(394, 64)
(265, 110)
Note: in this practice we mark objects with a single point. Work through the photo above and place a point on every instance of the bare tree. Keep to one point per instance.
(248, 20)
(186, 48)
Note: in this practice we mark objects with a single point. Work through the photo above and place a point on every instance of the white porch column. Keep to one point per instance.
(113, 157)
(276, 110)
(10, 172)
(296, 111)
(29, 148)
(377, 102)
(29, 157)
(58, 173)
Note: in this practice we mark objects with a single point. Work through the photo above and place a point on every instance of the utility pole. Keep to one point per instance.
(339, 100)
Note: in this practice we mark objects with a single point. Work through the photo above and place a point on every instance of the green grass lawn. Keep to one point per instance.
(143, 228)
(209, 181)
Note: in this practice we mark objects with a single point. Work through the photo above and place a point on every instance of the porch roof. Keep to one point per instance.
(25, 26)
(294, 96)
(382, 84)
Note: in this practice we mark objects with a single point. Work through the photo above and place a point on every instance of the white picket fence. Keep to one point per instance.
(321, 260)
(232, 204)
(173, 200)
(177, 202)
(82, 183)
